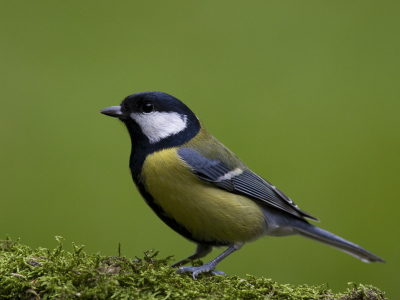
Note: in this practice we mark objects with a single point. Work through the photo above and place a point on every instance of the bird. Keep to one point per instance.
(202, 190)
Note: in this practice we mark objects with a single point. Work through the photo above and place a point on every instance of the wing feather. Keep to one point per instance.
(239, 181)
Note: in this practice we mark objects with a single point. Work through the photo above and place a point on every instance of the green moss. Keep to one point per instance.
(56, 274)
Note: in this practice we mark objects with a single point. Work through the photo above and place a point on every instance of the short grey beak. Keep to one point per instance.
(113, 111)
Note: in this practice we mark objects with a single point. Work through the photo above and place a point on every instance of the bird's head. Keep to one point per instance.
(156, 118)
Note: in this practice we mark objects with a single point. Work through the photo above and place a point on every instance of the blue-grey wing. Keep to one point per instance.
(239, 181)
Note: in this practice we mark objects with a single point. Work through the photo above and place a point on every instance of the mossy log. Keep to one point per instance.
(42, 273)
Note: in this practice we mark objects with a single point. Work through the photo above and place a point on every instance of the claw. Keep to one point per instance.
(214, 272)
(198, 270)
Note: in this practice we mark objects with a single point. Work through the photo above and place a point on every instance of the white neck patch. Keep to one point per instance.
(160, 125)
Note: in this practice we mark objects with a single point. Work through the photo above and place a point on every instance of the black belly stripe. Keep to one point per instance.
(173, 224)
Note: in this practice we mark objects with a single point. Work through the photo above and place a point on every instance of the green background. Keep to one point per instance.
(305, 93)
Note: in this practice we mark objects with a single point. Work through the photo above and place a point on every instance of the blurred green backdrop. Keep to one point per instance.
(306, 93)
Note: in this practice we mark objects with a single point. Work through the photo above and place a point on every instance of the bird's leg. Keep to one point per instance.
(201, 251)
(210, 266)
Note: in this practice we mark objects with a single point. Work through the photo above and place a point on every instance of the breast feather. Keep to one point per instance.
(207, 212)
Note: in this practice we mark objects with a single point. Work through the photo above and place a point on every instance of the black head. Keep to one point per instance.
(155, 120)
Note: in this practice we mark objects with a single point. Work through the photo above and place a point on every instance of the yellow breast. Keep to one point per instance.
(207, 212)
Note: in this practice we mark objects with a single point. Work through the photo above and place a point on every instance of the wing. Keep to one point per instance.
(239, 181)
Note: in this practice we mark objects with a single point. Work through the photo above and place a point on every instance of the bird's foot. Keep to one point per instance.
(207, 268)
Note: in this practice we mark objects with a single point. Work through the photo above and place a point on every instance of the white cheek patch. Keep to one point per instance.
(160, 125)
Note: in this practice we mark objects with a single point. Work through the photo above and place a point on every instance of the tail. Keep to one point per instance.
(317, 234)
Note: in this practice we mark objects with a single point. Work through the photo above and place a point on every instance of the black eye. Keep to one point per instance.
(147, 107)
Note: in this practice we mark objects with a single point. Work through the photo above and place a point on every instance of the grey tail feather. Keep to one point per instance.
(317, 234)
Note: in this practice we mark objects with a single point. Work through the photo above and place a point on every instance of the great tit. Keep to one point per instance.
(200, 189)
